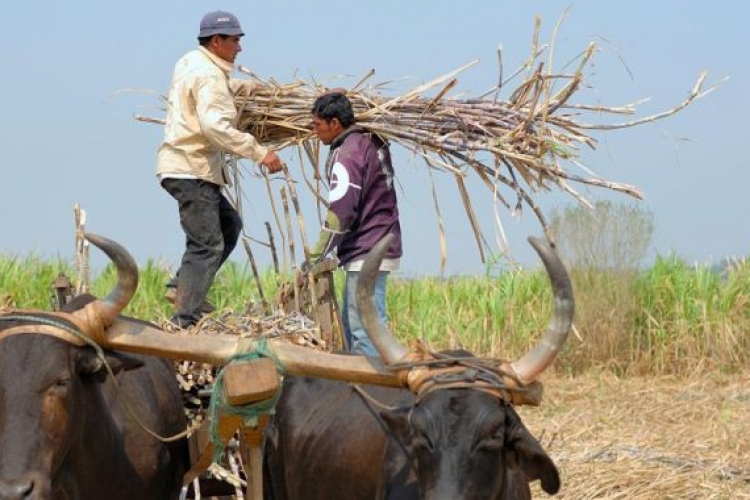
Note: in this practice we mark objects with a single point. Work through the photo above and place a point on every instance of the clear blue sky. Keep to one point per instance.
(67, 136)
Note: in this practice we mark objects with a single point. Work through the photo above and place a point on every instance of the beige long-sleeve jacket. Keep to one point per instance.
(200, 123)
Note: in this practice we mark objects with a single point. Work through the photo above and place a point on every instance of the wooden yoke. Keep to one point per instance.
(140, 337)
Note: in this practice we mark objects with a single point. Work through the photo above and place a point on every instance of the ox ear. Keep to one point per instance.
(89, 363)
(398, 469)
(397, 420)
(524, 452)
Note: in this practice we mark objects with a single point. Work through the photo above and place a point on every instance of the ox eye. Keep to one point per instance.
(492, 442)
(61, 384)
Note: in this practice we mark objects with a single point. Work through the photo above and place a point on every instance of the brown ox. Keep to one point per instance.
(457, 438)
(65, 432)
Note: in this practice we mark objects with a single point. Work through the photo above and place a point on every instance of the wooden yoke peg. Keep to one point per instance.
(249, 381)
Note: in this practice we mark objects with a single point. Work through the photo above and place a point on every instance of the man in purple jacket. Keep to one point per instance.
(362, 207)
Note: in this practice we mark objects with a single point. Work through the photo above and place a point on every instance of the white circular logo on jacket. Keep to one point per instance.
(339, 182)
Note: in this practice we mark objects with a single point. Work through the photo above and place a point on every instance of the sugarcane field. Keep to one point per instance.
(396, 251)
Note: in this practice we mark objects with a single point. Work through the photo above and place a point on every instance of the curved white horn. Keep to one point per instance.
(127, 277)
(388, 347)
(534, 362)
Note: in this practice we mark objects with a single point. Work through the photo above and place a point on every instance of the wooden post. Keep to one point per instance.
(321, 305)
(202, 448)
(82, 251)
(251, 447)
(326, 311)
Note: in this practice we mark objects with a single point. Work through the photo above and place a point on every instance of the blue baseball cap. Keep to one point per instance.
(220, 23)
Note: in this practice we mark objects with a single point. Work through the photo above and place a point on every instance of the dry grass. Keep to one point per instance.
(647, 438)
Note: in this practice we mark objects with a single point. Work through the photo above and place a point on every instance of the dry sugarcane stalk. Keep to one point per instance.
(441, 228)
(295, 278)
(254, 268)
(276, 218)
(312, 151)
(303, 236)
(272, 245)
(471, 215)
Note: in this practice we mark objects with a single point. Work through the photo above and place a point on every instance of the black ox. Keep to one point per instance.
(329, 441)
(65, 432)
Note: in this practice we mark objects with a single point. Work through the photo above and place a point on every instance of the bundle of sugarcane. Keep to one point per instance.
(523, 142)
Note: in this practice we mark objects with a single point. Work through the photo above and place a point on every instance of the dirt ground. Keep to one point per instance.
(654, 438)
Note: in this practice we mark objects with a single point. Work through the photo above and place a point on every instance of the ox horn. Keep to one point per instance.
(528, 367)
(533, 363)
(388, 347)
(127, 278)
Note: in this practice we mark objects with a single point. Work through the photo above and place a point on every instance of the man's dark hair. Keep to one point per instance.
(334, 105)
(203, 40)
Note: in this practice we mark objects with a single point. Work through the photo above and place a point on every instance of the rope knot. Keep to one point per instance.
(423, 371)
(412, 377)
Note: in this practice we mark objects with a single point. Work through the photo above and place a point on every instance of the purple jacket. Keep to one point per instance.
(362, 195)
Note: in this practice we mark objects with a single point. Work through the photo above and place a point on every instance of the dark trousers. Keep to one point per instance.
(212, 227)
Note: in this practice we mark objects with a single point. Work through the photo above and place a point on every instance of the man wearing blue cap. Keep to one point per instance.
(200, 129)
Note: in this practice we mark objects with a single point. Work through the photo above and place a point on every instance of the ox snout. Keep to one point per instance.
(30, 486)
